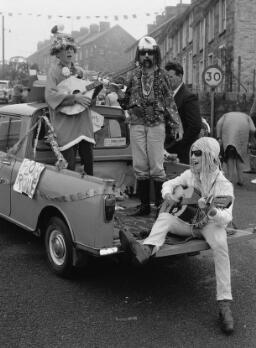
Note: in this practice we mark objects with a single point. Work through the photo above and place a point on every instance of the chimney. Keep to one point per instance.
(94, 28)
(159, 19)
(170, 11)
(182, 7)
(84, 30)
(75, 33)
(104, 26)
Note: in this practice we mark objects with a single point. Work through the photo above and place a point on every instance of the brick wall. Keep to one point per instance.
(245, 39)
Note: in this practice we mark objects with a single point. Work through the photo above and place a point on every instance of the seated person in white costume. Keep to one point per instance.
(205, 177)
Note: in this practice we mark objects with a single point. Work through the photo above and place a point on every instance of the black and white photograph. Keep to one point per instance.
(127, 174)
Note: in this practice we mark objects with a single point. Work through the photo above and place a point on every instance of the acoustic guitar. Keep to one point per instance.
(74, 85)
(187, 207)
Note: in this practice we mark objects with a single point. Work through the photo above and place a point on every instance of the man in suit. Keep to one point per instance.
(188, 108)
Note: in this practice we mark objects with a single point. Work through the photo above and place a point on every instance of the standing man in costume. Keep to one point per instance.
(188, 107)
(74, 132)
(150, 103)
(203, 221)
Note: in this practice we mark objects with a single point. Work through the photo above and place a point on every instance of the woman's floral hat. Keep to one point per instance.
(61, 40)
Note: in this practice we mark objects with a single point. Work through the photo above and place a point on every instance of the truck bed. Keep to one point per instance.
(140, 227)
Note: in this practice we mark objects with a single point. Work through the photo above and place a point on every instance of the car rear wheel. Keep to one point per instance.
(59, 249)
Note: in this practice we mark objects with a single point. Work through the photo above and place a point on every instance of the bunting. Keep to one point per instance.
(79, 17)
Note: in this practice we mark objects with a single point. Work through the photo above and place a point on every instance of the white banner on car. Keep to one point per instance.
(28, 177)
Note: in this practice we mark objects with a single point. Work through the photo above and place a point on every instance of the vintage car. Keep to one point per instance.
(73, 212)
(5, 91)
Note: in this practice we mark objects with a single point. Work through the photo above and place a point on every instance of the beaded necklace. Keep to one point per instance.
(149, 118)
(147, 87)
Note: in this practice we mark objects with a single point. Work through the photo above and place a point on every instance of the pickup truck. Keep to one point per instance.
(77, 216)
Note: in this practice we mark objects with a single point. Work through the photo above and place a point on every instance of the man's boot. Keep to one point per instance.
(225, 316)
(143, 191)
(140, 252)
(158, 195)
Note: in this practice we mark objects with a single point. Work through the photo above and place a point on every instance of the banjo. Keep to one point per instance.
(74, 85)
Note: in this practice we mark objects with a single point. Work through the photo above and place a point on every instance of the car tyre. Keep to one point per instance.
(59, 247)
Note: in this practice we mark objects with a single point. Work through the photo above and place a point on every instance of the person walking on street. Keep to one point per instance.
(202, 220)
(149, 99)
(188, 108)
(233, 130)
(74, 132)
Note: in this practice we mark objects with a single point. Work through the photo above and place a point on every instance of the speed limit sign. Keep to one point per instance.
(212, 75)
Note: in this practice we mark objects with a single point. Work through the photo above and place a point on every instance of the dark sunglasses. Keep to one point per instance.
(197, 153)
(69, 48)
(149, 52)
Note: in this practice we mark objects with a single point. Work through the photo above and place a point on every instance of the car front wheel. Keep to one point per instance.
(59, 249)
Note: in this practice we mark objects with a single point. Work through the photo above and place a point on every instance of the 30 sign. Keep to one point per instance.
(212, 75)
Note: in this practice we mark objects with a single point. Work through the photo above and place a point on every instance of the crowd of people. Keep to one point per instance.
(163, 115)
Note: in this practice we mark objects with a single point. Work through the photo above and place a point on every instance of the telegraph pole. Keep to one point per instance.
(3, 62)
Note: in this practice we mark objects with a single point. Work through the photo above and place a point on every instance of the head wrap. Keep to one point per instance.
(61, 40)
(210, 162)
(148, 43)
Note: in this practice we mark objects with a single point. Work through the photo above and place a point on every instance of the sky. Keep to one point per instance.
(28, 21)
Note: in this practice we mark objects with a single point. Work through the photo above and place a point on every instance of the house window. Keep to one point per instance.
(195, 41)
(195, 76)
(201, 35)
(190, 67)
(179, 41)
(184, 65)
(184, 35)
(91, 51)
(222, 15)
(222, 56)
(190, 28)
(201, 69)
(211, 24)
(210, 59)
(175, 46)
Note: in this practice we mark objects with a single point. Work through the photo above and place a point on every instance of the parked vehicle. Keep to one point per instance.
(73, 212)
(5, 91)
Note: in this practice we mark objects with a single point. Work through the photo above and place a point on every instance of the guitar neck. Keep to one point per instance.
(92, 85)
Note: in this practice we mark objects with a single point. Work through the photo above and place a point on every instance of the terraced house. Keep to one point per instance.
(210, 32)
(102, 48)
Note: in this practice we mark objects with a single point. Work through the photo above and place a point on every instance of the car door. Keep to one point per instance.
(9, 135)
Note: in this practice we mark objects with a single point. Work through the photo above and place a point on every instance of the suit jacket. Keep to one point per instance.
(188, 108)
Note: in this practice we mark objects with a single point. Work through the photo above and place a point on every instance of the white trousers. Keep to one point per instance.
(214, 235)
(147, 145)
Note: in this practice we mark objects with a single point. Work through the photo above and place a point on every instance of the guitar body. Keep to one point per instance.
(73, 85)
(186, 208)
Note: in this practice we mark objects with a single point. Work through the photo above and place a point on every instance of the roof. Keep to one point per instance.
(22, 109)
(85, 39)
(88, 38)
(153, 32)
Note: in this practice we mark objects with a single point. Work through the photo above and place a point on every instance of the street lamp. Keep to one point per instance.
(3, 45)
